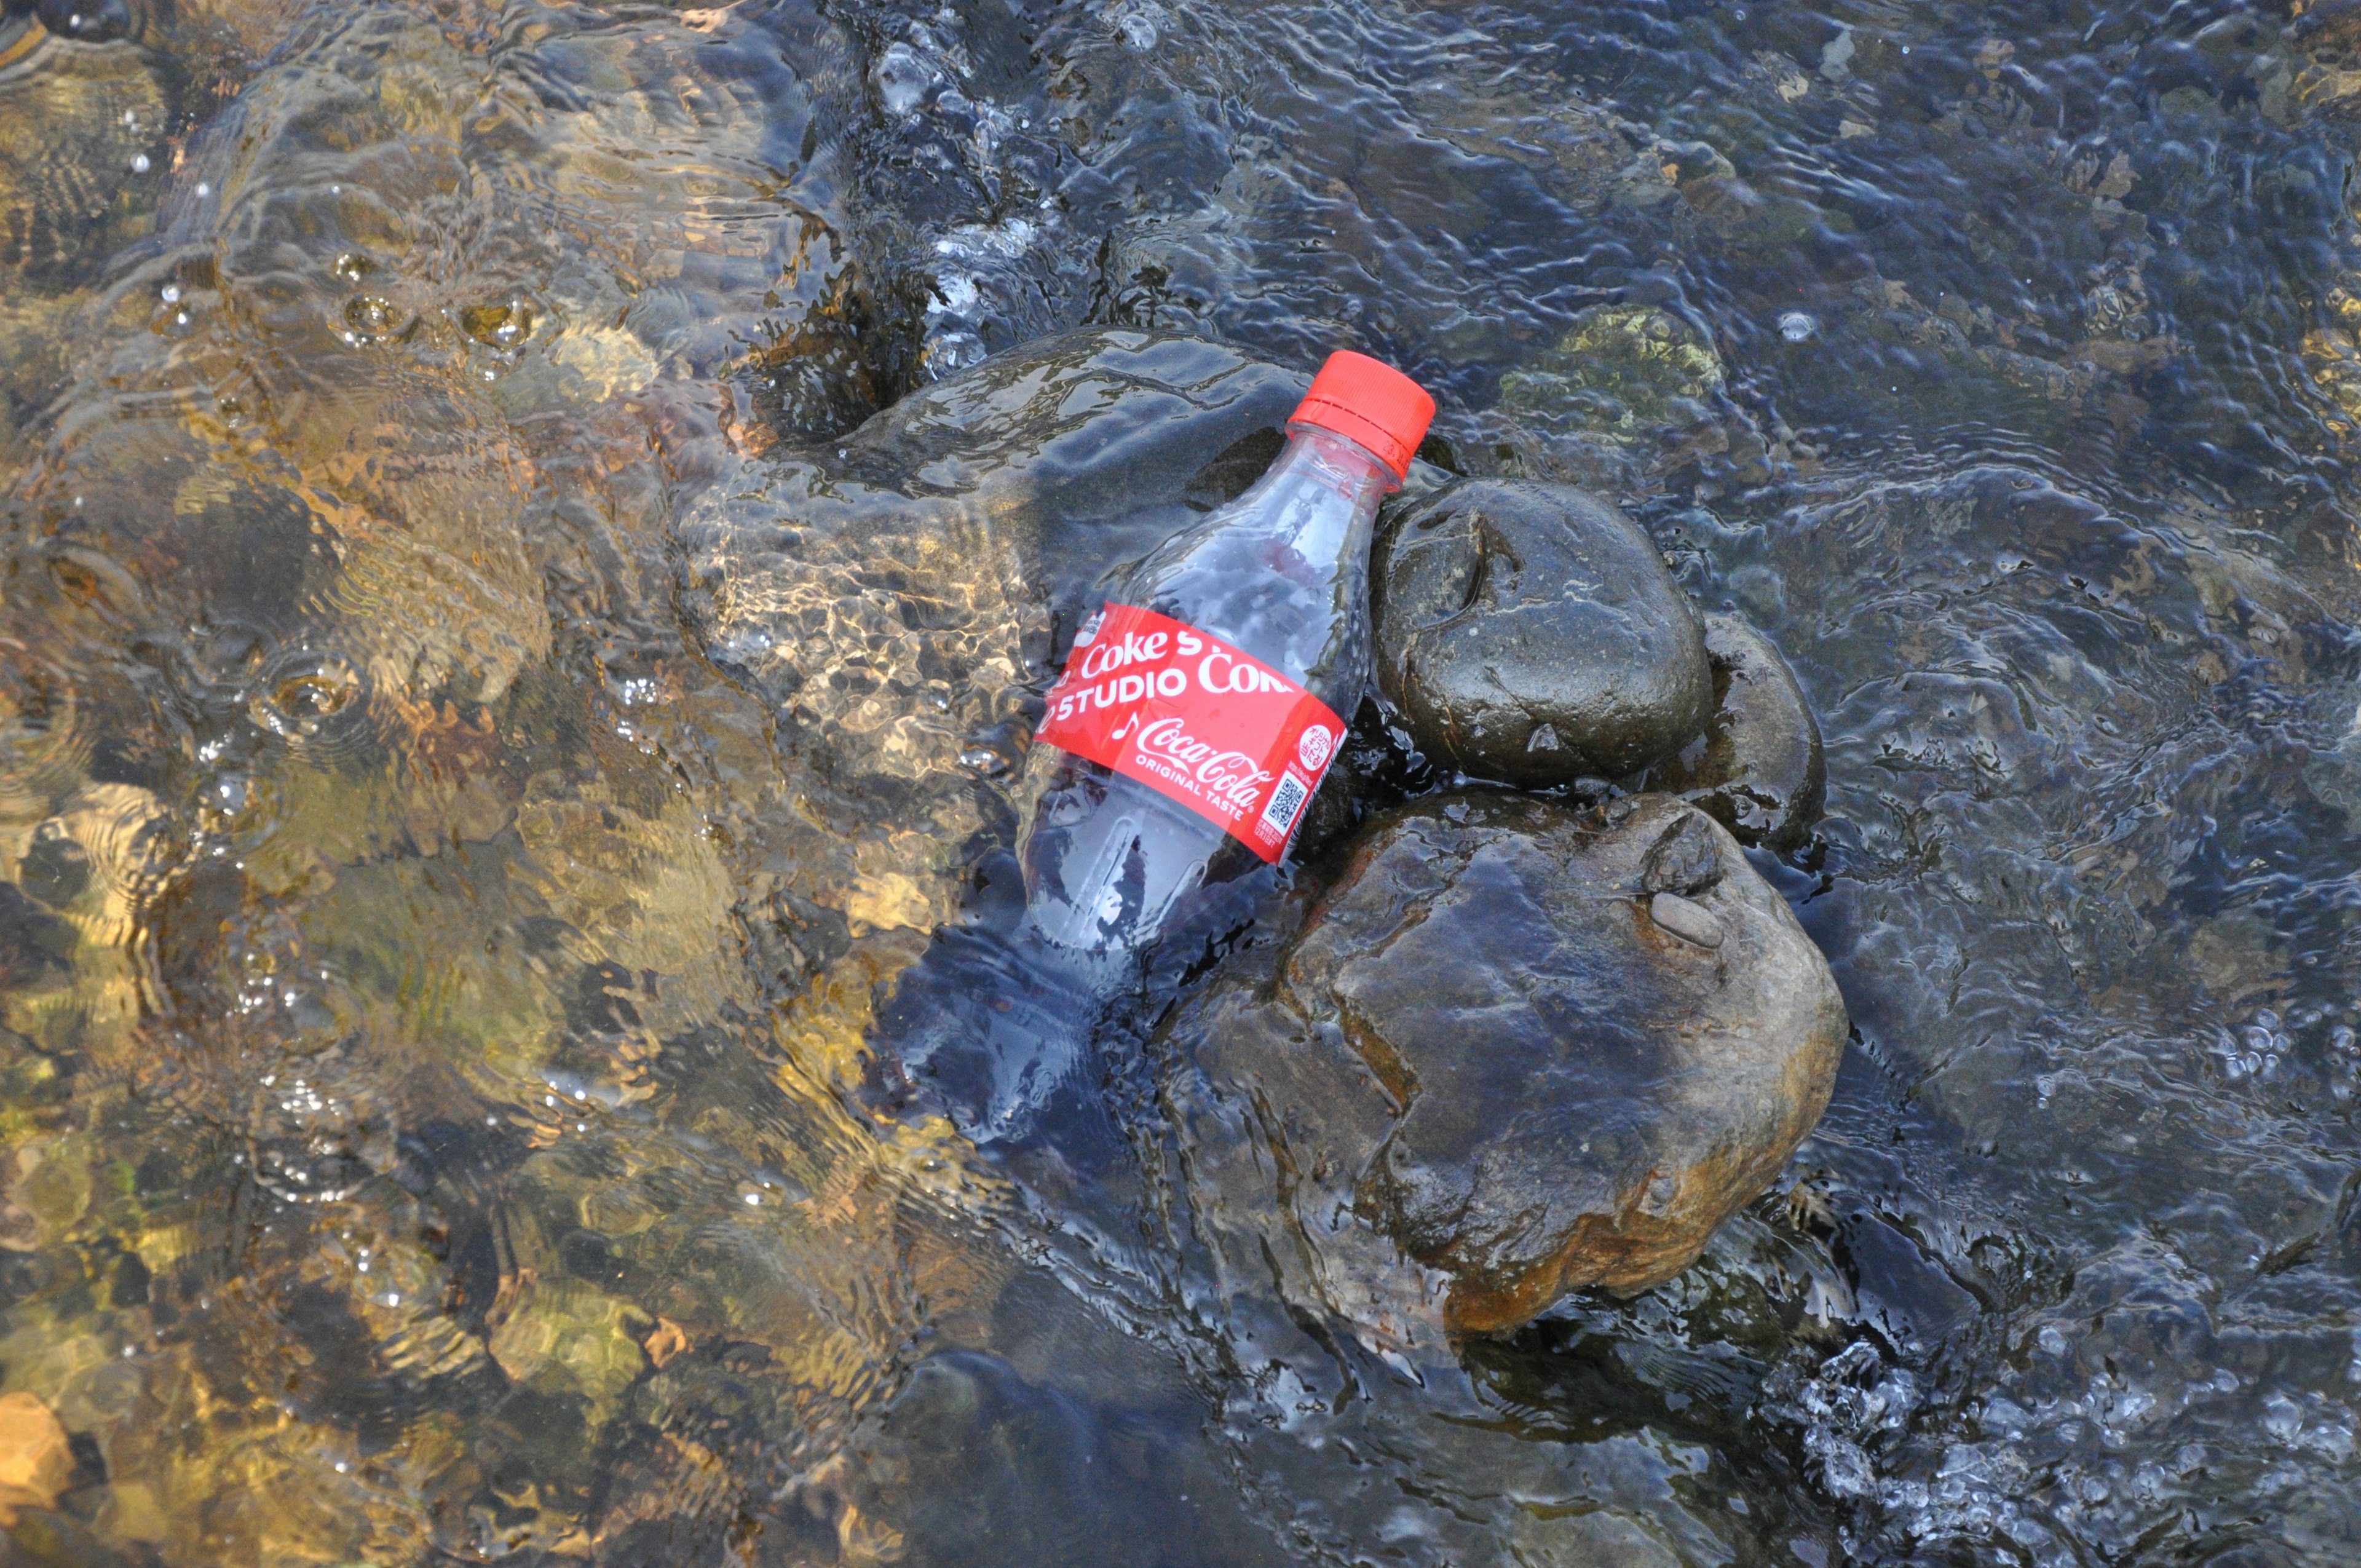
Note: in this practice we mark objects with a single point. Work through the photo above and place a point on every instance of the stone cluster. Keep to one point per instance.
(1546, 1028)
(1538, 1038)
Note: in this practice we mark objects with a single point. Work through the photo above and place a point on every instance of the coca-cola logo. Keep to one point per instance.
(1204, 724)
(1230, 776)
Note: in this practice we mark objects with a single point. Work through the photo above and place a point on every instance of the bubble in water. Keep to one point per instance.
(370, 319)
(503, 324)
(303, 694)
(1137, 26)
(902, 79)
(1795, 326)
(139, 164)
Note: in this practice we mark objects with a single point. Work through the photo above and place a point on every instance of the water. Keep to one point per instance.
(436, 982)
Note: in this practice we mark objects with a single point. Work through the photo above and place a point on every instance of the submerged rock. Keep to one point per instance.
(563, 1336)
(1757, 768)
(1516, 1051)
(1624, 372)
(897, 596)
(928, 544)
(36, 1457)
(970, 1450)
(1531, 633)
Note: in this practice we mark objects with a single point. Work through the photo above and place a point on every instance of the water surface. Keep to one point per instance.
(433, 976)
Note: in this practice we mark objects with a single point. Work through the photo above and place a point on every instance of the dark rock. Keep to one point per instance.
(1531, 633)
(932, 549)
(1757, 770)
(899, 597)
(1519, 1050)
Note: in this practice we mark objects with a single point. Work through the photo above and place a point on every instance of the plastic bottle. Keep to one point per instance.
(1179, 750)
(1199, 709)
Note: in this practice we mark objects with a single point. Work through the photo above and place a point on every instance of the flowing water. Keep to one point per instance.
(434, 984)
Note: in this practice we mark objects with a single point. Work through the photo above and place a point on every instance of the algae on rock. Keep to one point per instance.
(1622, 373)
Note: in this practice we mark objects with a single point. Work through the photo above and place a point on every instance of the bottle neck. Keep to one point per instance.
(1282, 572)
(1318, 459)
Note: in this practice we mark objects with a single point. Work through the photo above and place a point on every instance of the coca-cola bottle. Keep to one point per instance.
(1195, 717)
(1200, 707)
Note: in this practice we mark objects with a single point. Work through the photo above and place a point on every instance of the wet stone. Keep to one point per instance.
(1757, 768)
(1689, 921)
(1531, 633)
(901, 595)
(35, 1456)
(564, 1337)
(1518, 1050)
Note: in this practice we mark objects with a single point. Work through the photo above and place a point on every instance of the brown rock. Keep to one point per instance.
(1518, 1051)
(35, 1460)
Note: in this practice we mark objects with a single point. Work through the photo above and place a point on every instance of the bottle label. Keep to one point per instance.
(1196, 719)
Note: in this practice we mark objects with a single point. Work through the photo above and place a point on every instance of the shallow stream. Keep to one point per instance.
(435, 964)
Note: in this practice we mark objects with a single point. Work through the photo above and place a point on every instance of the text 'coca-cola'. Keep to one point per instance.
(1196, 719)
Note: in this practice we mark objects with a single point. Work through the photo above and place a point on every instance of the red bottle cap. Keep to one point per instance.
(1374, 404)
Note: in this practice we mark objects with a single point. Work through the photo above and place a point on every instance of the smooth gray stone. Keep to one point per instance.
(1531, 633)
(1690, 922)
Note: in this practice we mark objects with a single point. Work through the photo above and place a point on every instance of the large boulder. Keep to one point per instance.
(1519, 1049)
(1531, 633)
(1757, 768)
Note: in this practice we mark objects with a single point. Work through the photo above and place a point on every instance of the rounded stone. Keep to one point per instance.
(1530, 633)
(1757, 768)
(36, 1457)
(1519, 1049)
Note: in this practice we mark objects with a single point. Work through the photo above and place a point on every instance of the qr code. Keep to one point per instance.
(1287, 798)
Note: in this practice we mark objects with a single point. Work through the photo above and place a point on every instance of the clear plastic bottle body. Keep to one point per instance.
(1282, 573)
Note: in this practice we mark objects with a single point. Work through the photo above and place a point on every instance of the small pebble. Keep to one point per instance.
(1684, 918)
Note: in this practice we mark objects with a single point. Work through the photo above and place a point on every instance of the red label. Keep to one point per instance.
(1195, 718)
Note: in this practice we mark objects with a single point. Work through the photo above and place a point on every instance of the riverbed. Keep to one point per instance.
(437, 966)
